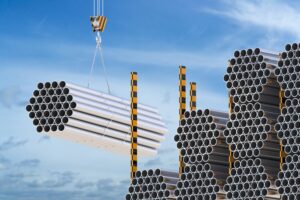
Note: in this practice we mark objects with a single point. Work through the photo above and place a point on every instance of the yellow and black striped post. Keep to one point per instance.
(134, 123)
(231, 158)
(281, 106)
(182, 105)
(193, 96)
(230, 105)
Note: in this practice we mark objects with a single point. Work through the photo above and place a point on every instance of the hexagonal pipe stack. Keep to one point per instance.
(288, 126)
(205, 154)
(153, 184)
(250, 132)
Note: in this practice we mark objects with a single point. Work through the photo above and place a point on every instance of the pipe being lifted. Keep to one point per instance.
(106, 96)
(59, 107)
(94, 140)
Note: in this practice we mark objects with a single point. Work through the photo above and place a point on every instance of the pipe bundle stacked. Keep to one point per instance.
(153, 184)
(205, 154)
(87, 116)
(250, 132)
(288, 126)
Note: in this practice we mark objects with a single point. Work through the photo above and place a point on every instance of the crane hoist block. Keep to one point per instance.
(98, 23)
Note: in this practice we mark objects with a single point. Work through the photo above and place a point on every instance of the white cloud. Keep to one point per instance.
(70, 53)
(273, 15)
(168, 58)
(11, 143)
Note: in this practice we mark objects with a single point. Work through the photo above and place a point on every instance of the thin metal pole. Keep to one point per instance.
(134, 123)
(193, 96)
(230, 105)
(230, 158)
(182, 105)
(281, 106)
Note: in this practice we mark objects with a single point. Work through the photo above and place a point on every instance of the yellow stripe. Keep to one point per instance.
(182, 82)
(134, 111)
(102, 23)
(182, 70)
(135, 88)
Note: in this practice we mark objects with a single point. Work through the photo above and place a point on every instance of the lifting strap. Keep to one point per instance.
(99, 49)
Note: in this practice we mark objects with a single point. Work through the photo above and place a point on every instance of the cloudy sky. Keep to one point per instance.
(47, 40)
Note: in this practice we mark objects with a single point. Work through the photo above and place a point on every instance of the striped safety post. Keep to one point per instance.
(230, 106)
(193, 96)
(134, 122)
(230, 158)
(182, 105)
(282, 152)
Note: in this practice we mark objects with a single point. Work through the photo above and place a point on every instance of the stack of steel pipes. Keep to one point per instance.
(250, 132)
(153, 184)
(205, 155)
(288, 126)
(94, 118)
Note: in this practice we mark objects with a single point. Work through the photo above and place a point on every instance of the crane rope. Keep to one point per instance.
(94, 7)
(97, 9)
(103, 7)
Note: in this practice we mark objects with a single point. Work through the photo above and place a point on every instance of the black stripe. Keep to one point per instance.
(134, 151)
(134, 140)
(134, 163)
(134, 128)
(134, 94)
(134, 82)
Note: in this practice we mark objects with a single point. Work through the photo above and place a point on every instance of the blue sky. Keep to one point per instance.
(52, 40)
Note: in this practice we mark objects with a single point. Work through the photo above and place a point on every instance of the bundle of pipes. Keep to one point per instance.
(249, 180)
(288, 126)
(199, 182)
(90, 117)
(288, 77)
(250, 132)
(288, 182)
(250, 77)
(288, 71)
(205, 154)
(153, 184)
